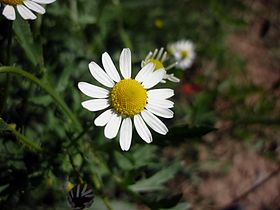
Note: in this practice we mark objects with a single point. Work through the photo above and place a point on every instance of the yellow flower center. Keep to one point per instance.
(128, 97)
(12, 2)
(158, 64)
(184, 53)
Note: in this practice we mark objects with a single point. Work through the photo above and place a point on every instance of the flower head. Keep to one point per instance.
(127, 101)
(24, 8)
(184, 53)
(158, 58)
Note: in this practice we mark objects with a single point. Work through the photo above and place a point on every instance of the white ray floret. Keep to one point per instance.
(24, 7)
(183, 52)
(128, 102)
(158, 58)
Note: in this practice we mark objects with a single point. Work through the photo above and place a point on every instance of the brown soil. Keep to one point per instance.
(248, 167)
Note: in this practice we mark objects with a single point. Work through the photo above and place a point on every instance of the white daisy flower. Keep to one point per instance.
(158, 57)
(184, 53)
(24, 8)
(127, 101)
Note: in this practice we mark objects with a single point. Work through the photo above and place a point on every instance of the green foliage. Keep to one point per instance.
(155, 182)
(47, 138)
(32, 50)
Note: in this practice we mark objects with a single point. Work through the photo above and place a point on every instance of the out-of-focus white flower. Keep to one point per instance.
(24, 8)
(127, 101)
(158, 57)
(184, 53)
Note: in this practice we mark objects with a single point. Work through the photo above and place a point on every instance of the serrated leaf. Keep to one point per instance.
(34, 146)
(167, 201)
(123, 161)
(143, 155)
(156, 181)
(3, 127)
(25, 38)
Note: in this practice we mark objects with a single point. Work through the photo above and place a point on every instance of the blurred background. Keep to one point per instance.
(223, 147)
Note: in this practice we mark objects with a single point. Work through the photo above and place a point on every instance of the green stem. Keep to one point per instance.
(45, 87)
(119, 182)
(122, 32)
(106, 203)
(23, 139)
(9, 47)
(74, 167)
(7, 61)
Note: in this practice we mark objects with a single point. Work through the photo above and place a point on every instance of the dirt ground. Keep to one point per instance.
(252, 181)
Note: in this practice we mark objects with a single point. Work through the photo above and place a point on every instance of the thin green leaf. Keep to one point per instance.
(24, 37)
(156, 181)
(21, 138)
(46, 87)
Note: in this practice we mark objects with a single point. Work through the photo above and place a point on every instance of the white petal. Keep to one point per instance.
(126, 134)
(153, 79)
(112, 127)
(148, 56)
(25, 13)
(125, 63)
(161, 103)
(98, 73)
(44, 1)
(159, 53)
(95, 104)
(155, 53)
(172, 78)
(9, 12)
(92, 90)
(159, 111)
(104, 118)
(34, 6)
(142, 129)
(155, 123)
(110, 67)
(145, 72)
(160, 93)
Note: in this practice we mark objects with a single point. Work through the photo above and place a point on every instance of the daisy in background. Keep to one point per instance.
(127, 101)
(183, 52)
(158, 57)
(24, 8)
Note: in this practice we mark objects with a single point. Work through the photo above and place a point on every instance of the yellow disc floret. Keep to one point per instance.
(12, 2)
(158, 64)
(184, 53)
(128, 97)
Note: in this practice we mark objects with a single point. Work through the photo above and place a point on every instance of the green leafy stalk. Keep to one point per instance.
(21, 138)
(10, 31)
(45, 87)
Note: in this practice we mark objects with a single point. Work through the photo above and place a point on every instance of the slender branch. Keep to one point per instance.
(9, 47)
(21, 138)
(7, 61)
(96, 181)
(119, 182)
(45, 87)
(74, 167)
(106, 202)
